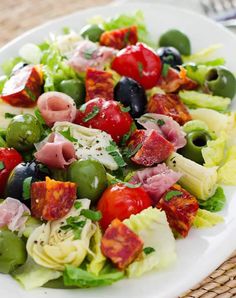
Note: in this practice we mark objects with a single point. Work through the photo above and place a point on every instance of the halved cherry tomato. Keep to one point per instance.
(105, 115)
(120, 201)
(140, 63)
(9, 159)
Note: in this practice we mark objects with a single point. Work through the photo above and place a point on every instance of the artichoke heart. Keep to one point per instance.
(53, 247)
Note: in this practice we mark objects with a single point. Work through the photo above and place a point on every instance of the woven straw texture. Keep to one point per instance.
(16, 17)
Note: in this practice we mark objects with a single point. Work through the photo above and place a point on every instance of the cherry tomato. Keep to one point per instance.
(105, 115)
(120, 201)
(9, 158)
(140, 63)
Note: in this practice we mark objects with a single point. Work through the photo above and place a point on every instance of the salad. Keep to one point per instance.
(113, 146)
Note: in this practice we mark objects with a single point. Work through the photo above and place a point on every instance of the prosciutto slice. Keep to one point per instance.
(13, 214)
(156, 180)
(89, 54)
(56, 106)
(166, 126)
(55, 151)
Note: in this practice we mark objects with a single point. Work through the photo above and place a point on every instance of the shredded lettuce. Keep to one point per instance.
(204, 55)
(32, 275)
(78, 277)
(194, 99)
(214, 153)
(95, 256)
(152, 227)
(206, 219)
(126, 20)
(216, 202)
(216, 121)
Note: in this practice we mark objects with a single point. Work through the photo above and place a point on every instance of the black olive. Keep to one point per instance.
(14, 187)
(171, 56)
(131, 94)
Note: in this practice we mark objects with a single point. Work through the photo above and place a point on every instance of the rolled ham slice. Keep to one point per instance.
(169, 128)
(89, 54)
(156, 180)
(55, 151)
(13, 214)
(56, 106)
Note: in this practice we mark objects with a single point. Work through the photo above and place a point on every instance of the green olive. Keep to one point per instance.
(12, 251)
(75, 89)
(221, 82)
(177, 39)
(92, 32)
(90, 177)
(196, 140)
(23, 131)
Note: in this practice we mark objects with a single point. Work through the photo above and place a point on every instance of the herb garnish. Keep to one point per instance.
(39, 116)
(126, 37)
(113, 151)
(165, 69)
(2, 166)
(125, 109)
(130, 152)
(160, 122)
(67, 134)
(9, 115)
(140, 69)
(90, 214)
(171, 194)
(147, 250)
(30, 94)
(77, 205)
(92, 114)
(88, 53)
(128, 134)
(26, 188)
(74, 223)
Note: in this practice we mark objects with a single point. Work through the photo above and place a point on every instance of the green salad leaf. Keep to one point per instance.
(206, 219)
(214, 203)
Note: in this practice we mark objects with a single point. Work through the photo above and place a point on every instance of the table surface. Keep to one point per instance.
(18, 16)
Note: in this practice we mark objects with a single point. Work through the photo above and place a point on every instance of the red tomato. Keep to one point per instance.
(120, 201)
(140, 63)
(9, 159)
(105, 115)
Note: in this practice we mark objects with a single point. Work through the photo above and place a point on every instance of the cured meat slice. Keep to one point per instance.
(56, 106)
(55, 152)
(169, 105)
(156, 181)
(180, 207)
(120, 244)
(51, 200)
(120, 38)
(99, 84)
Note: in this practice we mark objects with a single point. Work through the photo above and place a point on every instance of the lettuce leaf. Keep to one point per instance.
(32, 275)
(215, 121)
(214, 153)
(206, 219)
(194, 99)
(204, 55)
(227, 173)
(214, 203)
(78, 277)
(126, 20)
(95, 256)
(9, 64)
(152, 227)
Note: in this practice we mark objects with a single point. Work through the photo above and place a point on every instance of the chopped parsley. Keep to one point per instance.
(171, 194)
(67, 134)
(77, 205)
(147, 250)
(160, 122)
(31, 95)
(165, 69)
(113, 151)
(90, 214)
(2, 166)
(140, 69)
(92, 114)
(74, 223)
(130, 152)
(128, 134)
(26, 188)
(88, 53)
(9, 115)
(125, 109)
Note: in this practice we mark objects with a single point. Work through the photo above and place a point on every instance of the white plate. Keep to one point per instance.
(203, 250)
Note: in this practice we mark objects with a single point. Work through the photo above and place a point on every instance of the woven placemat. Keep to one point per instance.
(18, 16)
